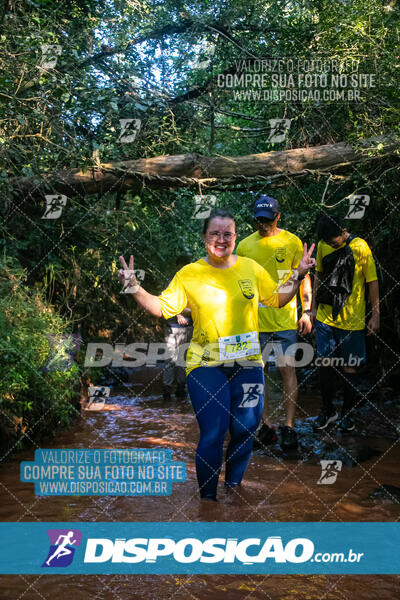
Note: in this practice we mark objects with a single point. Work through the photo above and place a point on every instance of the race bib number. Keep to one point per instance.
(238, 346)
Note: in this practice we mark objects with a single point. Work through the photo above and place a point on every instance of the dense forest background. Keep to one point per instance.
(158, 62)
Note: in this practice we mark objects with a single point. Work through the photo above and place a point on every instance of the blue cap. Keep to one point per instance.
(267, 207)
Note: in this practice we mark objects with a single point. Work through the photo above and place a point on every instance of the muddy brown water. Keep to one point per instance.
(273, 490)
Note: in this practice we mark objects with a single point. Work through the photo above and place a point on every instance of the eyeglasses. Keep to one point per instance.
(227, 236)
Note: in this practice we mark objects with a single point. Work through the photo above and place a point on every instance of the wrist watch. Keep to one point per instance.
(307, 312)
(296, 276)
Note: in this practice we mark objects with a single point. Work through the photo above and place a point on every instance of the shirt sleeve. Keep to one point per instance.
(298, 253)
(368, 264)
(173, 299)
(239, 249)
(267, 289)
(319, 258)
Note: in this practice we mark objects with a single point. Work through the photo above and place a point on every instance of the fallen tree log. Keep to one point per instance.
(195, 170)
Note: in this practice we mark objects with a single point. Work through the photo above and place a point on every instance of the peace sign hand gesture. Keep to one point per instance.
(127, 276)
(306, 262)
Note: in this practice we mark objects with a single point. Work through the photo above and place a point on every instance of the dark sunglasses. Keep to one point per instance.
(264, 220)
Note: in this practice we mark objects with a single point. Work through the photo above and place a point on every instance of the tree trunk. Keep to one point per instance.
(193, 170)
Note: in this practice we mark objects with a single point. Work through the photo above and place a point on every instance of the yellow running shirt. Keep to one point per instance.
(352, 315)
(278, 254)
(224, 305)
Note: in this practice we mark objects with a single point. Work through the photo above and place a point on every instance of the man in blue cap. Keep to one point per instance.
(279, 252)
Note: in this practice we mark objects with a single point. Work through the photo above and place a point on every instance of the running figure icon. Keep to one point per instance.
(253, 392)
(251, 395)
(330, 471)
(62, 549)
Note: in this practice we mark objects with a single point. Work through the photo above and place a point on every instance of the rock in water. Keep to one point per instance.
(352, 455)
(387, 492)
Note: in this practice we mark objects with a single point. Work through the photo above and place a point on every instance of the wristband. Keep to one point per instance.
(307, 312)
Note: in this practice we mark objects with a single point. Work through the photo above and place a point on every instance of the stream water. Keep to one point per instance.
(275, 489)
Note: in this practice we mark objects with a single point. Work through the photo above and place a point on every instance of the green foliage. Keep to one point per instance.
(34, 402)
(57, 117)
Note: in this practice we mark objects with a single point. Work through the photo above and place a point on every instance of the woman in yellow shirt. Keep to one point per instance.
(225, 374)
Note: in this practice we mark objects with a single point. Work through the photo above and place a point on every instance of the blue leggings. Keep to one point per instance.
(225, 398)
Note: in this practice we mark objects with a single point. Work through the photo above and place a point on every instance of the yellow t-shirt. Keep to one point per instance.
(224, 302)
(278, 255)
(352, 315)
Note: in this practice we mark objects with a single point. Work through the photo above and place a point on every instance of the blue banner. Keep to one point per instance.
(201, 548)
(101, 472)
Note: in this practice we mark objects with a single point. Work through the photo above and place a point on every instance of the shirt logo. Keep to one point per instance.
(62, 547)
(280, 254)
(246, 286)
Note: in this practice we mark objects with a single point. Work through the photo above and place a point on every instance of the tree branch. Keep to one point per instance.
(194, 170)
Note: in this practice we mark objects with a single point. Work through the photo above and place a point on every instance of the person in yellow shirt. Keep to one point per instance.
(340, 315)
(177, 332)
(225, 375)
(279, 251)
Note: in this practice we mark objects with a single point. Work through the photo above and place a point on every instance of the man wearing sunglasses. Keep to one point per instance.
(279, 252)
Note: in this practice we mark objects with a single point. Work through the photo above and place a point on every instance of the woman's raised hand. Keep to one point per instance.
(306, 262)
(127, 276)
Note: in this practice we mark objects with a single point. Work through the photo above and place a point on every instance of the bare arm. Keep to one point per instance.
(290, 287)
(314, 305)
(305, 322)
(374, 322)
(306, 293)
(317, 283)
(147, 301)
